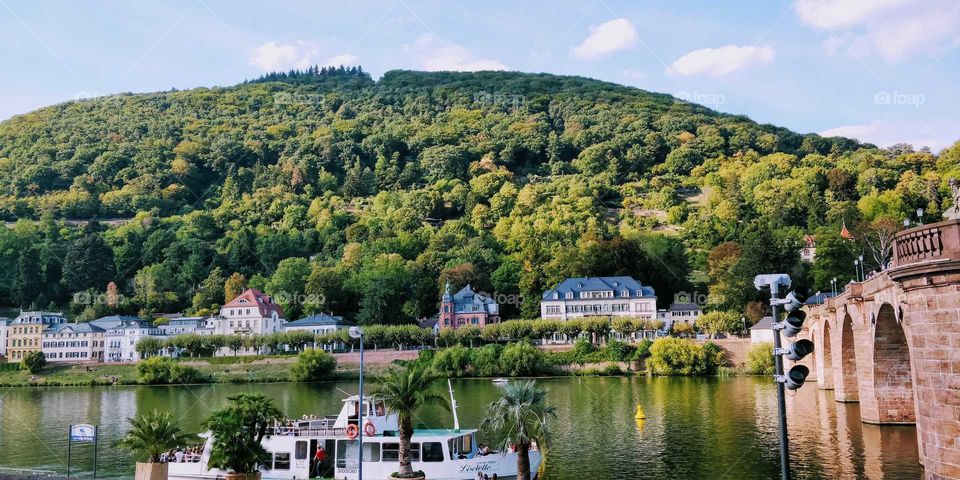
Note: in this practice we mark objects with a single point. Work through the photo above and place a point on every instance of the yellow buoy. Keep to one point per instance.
(640, 415)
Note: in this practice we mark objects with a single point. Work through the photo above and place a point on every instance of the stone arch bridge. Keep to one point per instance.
(892, 343)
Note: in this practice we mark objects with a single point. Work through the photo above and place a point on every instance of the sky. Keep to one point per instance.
(881, 71)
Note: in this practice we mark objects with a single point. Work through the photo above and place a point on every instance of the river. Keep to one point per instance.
(696, 427)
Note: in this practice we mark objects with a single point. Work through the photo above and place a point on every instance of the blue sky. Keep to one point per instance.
(883, 71)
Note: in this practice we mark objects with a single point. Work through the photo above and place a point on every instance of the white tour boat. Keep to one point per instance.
(442, 454)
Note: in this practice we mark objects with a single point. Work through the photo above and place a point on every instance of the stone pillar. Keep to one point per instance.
(933, 317)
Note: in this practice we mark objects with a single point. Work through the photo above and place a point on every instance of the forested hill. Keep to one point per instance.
(360, 196)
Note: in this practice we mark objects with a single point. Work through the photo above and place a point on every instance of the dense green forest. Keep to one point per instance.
(335, 192)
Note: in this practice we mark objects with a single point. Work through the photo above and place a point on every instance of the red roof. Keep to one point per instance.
(263, 302)
(845, 233)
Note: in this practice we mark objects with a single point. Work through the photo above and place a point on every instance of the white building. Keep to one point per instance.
(4, 326)
(73, 342)
(599, 297)
(121, 340)
(182, 325)
(250, 313)
(762, 332)
(679, 312)
(318, 325)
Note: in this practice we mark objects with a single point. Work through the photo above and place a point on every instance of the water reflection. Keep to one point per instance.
(694, 428)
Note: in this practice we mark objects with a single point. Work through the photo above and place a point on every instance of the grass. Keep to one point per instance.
(241, 370)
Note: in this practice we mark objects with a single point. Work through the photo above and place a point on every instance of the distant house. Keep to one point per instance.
(74, 342)
(320, 324)
(182, 325)
(598, 297)
(762, 332)
(809, 251)
(111, 321)
(121, 339)
(25, 333)
(679, 312)
(250, 313)
(432, 323)
(466, 308)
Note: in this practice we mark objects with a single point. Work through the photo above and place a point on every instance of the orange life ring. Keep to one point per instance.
(352, 431)
(369, 430)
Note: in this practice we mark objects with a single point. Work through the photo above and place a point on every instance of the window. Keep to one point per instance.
(371, 452)
(301, 450)
(347, 453)
(569, 295)
(432, 452)
(281, 461)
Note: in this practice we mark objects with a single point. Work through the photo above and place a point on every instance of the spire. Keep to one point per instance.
(447, 297)
(844, 233)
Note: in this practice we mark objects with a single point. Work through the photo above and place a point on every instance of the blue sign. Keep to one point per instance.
(83, 432)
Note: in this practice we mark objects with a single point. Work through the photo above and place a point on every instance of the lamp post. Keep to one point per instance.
(856, 269)
(833, 285)
(357, 332)
(920, 216)
(863, 271)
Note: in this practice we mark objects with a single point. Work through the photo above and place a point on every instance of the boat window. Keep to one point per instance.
(347, 453)
(461, 446)
(301, 450)
(391, 452)
(432, 452)
(380, 410)
(371, 452)
(281, 461)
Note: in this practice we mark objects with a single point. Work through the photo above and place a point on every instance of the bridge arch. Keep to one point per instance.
(827, 361)
(891, 376)
(846, 387)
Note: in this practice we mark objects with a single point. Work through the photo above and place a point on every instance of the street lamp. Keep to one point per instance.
(833, 286)
(920, 215)
(856, 269)
(863, 271)
(357, 332)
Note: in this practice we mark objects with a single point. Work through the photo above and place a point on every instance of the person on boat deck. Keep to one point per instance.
(318, 459)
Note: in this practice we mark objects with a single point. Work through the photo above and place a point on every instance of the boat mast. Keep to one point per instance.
(453, 406)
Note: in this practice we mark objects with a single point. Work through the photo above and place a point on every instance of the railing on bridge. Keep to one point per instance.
(937, 241)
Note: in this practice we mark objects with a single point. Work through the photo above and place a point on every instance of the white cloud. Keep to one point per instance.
(275, 56)
(936, 135)
(345, 59)
(616, 34)
(721, 61)
(843, 13)
(892, 29)
(436, 55)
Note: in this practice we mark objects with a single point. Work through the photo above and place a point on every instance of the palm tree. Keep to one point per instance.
(520, 417)
(404, 391)
(153, 433)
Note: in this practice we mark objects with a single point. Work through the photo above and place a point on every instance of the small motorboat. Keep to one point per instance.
(500, 381)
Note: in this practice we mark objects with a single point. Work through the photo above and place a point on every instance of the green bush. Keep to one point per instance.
(521, 359)
(643, 350)
(485, 360)
(582, 351)
(452, 362)
(33, 362)
(313, 365)
(163, 370)
(760, 359)
(675, 356)
(617, 351)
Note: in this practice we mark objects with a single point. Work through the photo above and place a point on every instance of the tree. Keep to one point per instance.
(237, 431)
(234, 286)
(681, 329)
(716, 322)
(28, 280)
(287, 283)
(312, 365)
(520, 417)
(33, 362)
(151, 434)
(404, 391)
(88, 264)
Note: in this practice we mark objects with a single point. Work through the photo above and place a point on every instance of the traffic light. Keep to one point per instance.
(794, 351)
